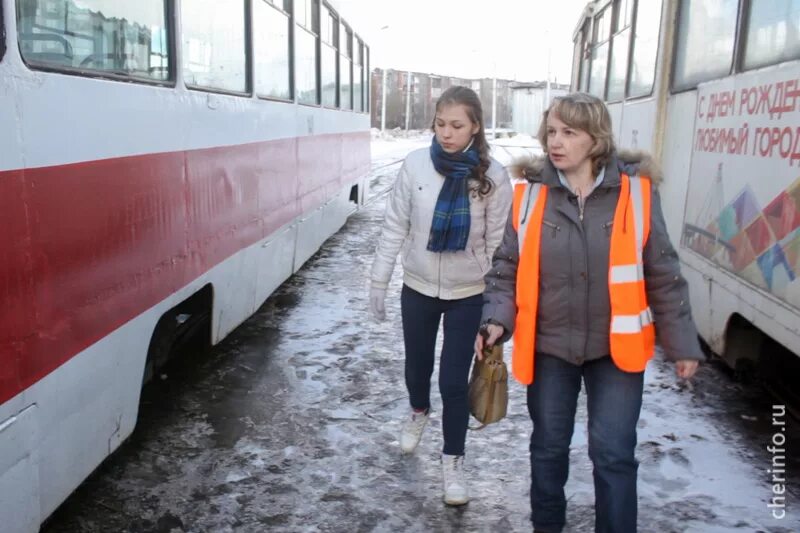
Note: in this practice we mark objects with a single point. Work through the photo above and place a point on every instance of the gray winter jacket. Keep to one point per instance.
(574, 309)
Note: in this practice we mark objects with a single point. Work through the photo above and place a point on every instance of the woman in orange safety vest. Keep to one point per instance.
(584, 279)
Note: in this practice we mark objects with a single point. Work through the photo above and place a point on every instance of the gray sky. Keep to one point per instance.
(469, 38)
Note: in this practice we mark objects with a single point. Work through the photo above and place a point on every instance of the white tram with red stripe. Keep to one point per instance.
(712, 88)
(159, 160)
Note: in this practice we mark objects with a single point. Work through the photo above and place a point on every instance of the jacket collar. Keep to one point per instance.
(611, 175)
(539, 169)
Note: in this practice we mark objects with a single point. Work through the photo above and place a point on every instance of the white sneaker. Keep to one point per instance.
(455, 484)
(412, 430)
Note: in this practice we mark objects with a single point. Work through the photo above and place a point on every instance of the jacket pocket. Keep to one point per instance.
(462, 269)
(480, 261)
(473, 256)
(607, 226)
(419, 263)
(551, 227)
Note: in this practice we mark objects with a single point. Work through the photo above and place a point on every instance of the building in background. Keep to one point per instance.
(425, 90)
(528, 102)
(519, 105)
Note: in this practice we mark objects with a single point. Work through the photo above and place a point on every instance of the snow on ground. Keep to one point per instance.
(291, 424)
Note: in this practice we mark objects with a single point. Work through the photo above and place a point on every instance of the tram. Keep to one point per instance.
(162, 163)
(711, 88)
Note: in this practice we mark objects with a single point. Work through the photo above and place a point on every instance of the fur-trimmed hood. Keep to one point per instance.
(632, 162)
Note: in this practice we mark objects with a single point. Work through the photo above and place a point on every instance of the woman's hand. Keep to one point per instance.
(492, 332)
(377, 306)
(685, 368)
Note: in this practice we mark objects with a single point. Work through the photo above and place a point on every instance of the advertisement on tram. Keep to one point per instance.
(744, 213)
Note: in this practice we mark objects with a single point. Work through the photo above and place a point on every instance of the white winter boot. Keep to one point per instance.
(412, 430)
(455, 483)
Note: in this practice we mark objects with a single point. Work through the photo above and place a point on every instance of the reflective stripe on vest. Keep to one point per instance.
(631, 329)
(631, 333)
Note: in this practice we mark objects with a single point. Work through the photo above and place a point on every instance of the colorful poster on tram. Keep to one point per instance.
(743, 202)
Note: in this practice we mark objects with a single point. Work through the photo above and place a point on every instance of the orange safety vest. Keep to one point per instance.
(631, 331)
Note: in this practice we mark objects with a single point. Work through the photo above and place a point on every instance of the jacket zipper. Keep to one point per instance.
(582, 206)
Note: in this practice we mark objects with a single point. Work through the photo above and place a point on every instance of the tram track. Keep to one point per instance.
(375, 176)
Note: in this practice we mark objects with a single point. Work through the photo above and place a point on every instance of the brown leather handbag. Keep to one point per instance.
(488, 387)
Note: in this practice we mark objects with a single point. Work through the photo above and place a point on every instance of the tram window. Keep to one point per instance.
(583, 83)
(620, 47)
(624, 14)
(285, 5)
(305, 13)
(773, 33)
(345, 67)
(271, 50)
(367, 82)
(602, 28)
(619, 65)
(705, 41)
(127, 39)
(599, 65)
(585, 76)
(330, 37)
(306, 60)
(214, 54)
(597, 78)
(2, 35)
(576, 60)
(358, 77)
(642, 75)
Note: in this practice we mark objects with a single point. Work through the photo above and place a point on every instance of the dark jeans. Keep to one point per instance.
(421, 317)
(614, 399)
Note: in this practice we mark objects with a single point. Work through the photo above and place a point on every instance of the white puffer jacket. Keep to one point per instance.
(407, 225)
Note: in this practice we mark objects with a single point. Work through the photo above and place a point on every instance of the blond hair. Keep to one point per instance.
(585, 112)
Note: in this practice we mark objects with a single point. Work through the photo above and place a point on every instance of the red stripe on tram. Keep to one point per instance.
(87, 247)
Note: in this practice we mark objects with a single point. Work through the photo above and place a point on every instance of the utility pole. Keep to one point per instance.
(385, 46)
(383, 99)
(408, 100)
(494, 105)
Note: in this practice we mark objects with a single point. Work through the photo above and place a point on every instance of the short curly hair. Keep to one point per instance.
(585, 112)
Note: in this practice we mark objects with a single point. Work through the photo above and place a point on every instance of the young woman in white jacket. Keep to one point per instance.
(445, 217)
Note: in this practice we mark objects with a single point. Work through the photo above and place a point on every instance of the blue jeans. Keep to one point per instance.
(421, 317)
(614, 399)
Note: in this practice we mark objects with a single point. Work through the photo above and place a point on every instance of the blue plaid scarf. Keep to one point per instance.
(451, 218)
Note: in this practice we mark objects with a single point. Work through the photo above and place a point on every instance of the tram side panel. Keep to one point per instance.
(112, 244)
(636, 129)
(677, 158)
(740, 233)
